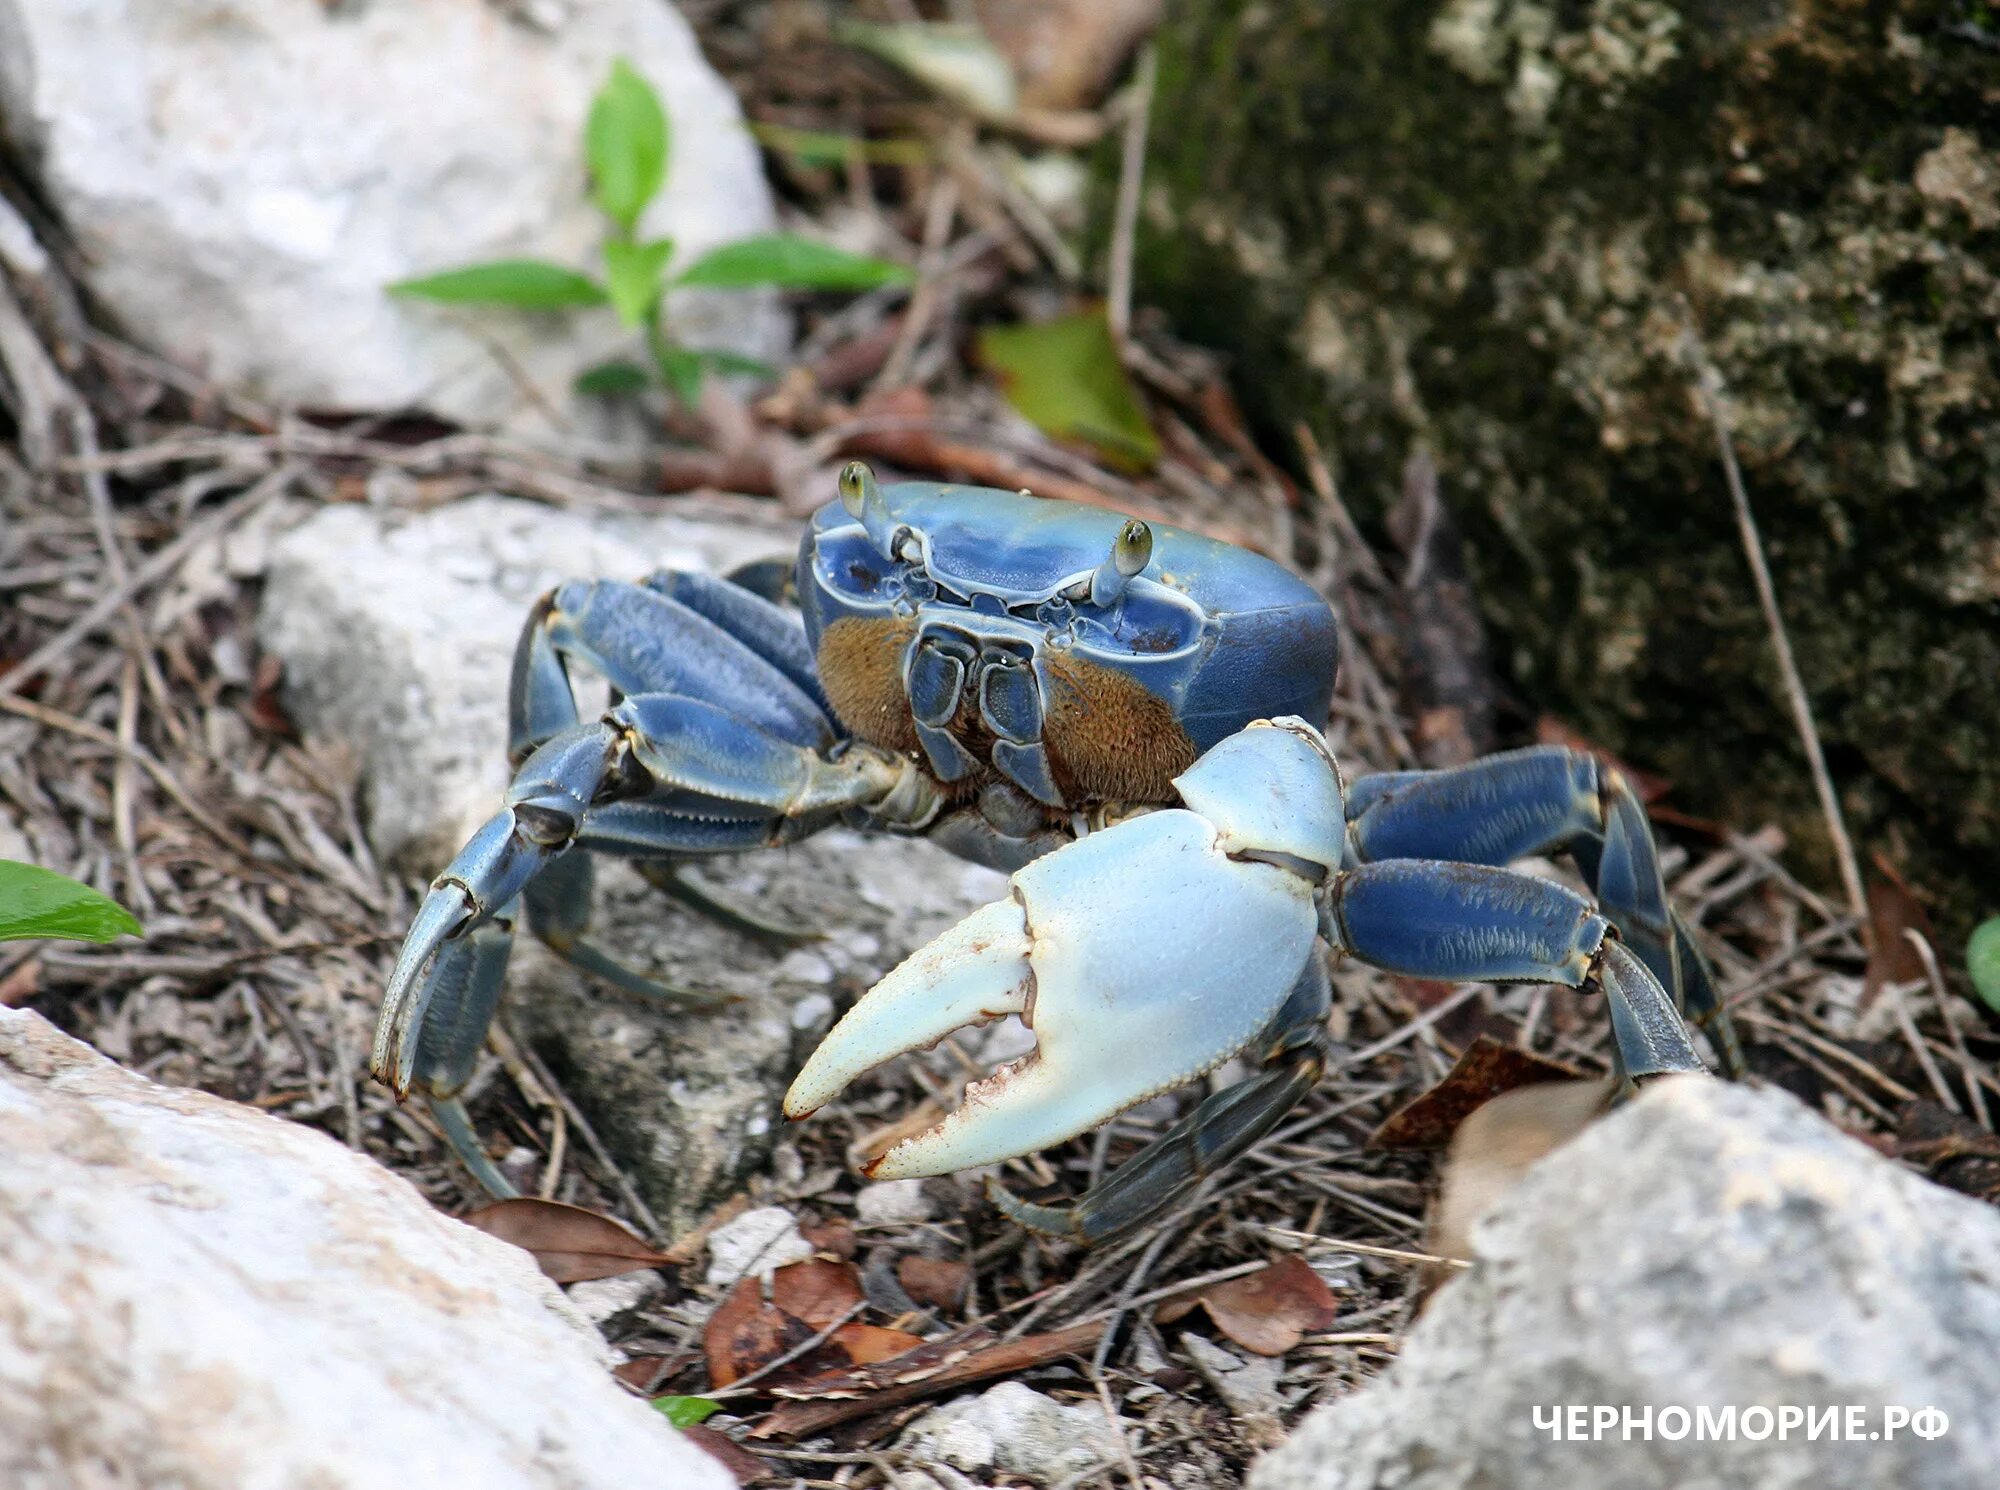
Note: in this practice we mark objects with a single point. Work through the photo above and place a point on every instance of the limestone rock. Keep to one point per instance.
(245, 177)
(1707, 1247)
(1476, 228)
(1014, 1429)
(200, 1296)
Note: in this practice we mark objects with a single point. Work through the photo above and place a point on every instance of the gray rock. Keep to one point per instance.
(245, 176)
(759, 1241)
(396, 634)
(1707, 1247)
(610, 1303)
(1014, 1429)
(199, 1295)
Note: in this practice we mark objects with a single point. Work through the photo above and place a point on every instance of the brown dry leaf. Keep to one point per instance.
(747, 1468)
(1493, 1148)
(572, 1245)
(817, 1291)
(937, 1366)
(1064, 53)
(1488, 1068)
(872, 1344)
(1892, 910)
(936, 1282)
(834, 1236)
(745, 1334)
(641, 1373)
(1267, 1312)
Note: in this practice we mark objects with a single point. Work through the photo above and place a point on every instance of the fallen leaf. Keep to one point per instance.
(817, 1291)
(1494, 1146)
(1067, 378)
(685, 1412)
(1488, 1068)
(570, 1244)
(835, 1237)
(1267, 1312)
(1949, 1147)
(968, 1356)
(936, 1282)
(641, 1373)
(747, 1468)
(1892, 910)
(745, 1334)
(955, 62)
(872, 1344)
(1065, 52)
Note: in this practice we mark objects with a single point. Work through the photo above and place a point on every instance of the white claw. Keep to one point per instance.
(976, 970)
(1142, 957)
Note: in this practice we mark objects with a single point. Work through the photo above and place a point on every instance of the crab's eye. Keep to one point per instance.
(1132, 550)
(855, 479)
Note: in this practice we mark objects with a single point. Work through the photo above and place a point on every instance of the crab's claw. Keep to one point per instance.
(1141, 957)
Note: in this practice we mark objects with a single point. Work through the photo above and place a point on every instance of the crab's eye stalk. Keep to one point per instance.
(855, 479)
(861, 495)
(1131, 551)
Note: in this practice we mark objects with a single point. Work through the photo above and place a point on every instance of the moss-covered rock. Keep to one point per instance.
(1481, 225)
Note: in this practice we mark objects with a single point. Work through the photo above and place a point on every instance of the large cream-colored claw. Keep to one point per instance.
(1141, 956)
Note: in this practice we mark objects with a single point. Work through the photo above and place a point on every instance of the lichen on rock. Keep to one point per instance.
(1486, 227)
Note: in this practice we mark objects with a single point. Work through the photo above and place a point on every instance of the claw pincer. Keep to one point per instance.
(1148, 954)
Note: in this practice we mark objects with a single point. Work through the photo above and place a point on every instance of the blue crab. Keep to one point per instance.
(1120, 716)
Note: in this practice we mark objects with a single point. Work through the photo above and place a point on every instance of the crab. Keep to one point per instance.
(1120, 716)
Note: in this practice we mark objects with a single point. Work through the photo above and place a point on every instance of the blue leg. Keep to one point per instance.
(1540, 801)
(680, 633)
(1471, 923)
(600, 787)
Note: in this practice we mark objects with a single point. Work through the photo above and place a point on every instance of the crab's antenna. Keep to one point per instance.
(1131, 551)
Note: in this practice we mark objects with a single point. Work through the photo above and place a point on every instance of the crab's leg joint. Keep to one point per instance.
(1542, 800)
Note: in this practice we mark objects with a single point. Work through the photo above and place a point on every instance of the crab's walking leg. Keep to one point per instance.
(681, 633)
(1218, 1131)
(1471, 923)
(1547, 799)
(630, 783)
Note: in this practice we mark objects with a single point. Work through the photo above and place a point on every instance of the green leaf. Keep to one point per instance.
(39, 902)
(682, 369)
(1066, 376)
(956, 62)
(791, 263)
(632, 273)
(526, 284)
(612, 380)
(626, 142)
(685, 1412)
(1982, 960)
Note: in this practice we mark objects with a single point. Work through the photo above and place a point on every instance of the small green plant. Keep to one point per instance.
(41, 903)
(626, 145)
(685, 1412)
(1982, 961)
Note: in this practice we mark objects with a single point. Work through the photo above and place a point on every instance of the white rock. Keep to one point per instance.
(758, 1241)
(1705, 1247)
(244, 177)
(608, 1302)
(893, 1203)
(198, 1295)
(1015, 1429)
